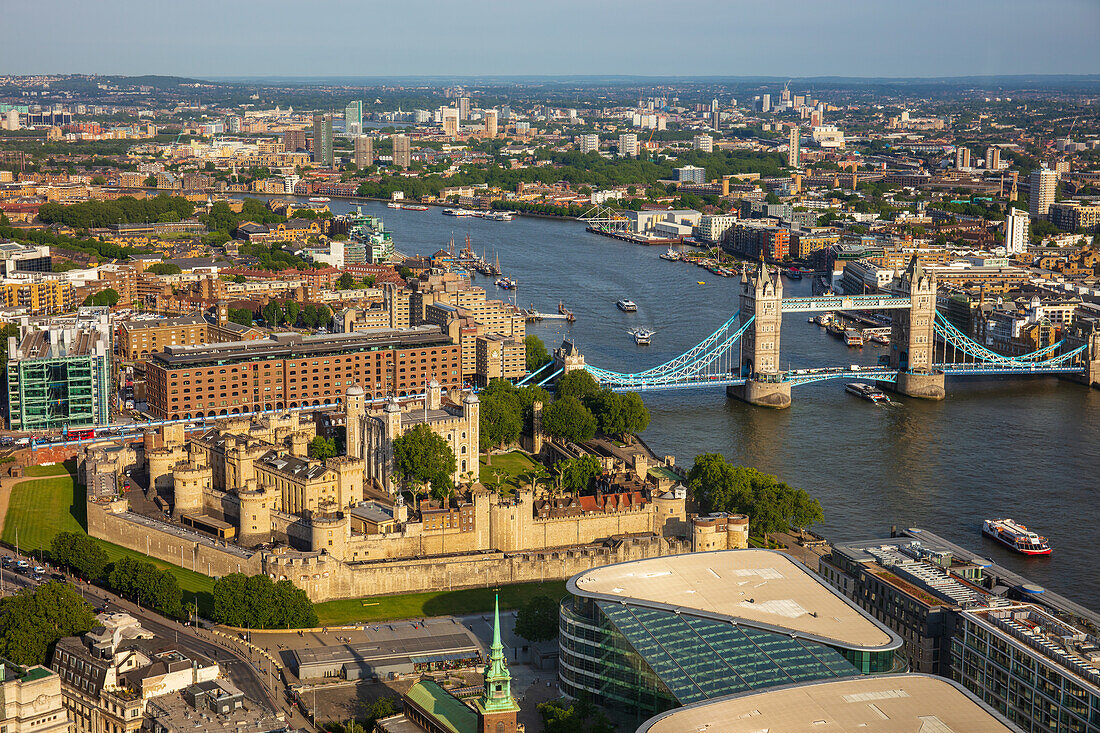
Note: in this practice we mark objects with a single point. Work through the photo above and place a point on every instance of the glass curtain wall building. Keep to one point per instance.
(58, 378)
(654, 634)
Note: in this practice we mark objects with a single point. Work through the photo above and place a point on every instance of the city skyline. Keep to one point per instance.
(215, 40)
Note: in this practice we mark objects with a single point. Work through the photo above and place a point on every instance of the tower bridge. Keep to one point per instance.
(744, 356)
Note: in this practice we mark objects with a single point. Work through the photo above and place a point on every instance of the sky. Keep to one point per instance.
(795, 38)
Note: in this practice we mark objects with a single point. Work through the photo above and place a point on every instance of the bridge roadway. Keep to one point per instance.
(846, 302)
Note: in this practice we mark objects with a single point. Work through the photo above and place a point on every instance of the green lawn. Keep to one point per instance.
(54, 469)
(425, 605)
(42, 507)
(510, 465)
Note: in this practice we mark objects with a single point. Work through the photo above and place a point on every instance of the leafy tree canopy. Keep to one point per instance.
(422, 456)
(34, 619)
(538, 619)
(567, 418)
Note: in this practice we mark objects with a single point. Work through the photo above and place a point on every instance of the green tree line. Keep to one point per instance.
(124, 210)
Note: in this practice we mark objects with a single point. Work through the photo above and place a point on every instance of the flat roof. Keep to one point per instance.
(906, 703)
(758, 587)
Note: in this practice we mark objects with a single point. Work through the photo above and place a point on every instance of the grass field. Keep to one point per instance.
(510, 465)
(54, 469)
(425, 605)
(42, 507)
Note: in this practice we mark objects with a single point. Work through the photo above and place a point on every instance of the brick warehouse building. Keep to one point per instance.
(291, 370)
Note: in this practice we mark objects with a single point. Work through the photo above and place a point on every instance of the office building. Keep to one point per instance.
(401, 154)
(881, 704)
(628, 145)
(449, 118)
(59, 378)
(588, 143)
(322, 141)
(294, 140)
(993, 158)
(490, 123)
(962, 158)
(138, 338)
(30, 700)
(353, 118)
(704, 143)
(1044, 184)
(1040, 672)
(291, 370)
(15, 257)
(1017, 225)
(690, 174)
(463, 108)
(654, 634)
(794, 157)
(363, 155)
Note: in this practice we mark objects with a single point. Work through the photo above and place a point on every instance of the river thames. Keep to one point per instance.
(1027, 449)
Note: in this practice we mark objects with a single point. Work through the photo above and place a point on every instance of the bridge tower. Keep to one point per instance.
(1088, 334)
(762, 297)
(912, 340)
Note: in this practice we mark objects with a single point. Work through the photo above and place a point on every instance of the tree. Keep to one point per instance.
(80, 553)
(257, 602)
(148, 585)
(537, 355)
(242, 316)
(422, 456)
(500, 421)
(577, 474)
(98, 180)
(567, 418)
(346, 282)
(771, 504)
(322, 448)
(151, 181)
(580, 717)
(34, 619)
(537, 620)
(108, 297)
(577, 383)
(292, 309)
(272, 313)
(165, 268)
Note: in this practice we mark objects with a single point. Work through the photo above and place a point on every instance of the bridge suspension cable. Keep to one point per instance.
(957, 339)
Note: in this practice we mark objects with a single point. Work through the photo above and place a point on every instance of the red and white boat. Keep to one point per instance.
(1015, 536)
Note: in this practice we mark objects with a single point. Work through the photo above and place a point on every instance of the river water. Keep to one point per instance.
(1028, 449)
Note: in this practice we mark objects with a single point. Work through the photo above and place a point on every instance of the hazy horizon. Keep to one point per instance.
(484, 38)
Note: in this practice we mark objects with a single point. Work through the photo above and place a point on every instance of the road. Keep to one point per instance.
(255, 677)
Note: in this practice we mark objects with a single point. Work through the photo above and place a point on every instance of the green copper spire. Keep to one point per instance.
(497, 694)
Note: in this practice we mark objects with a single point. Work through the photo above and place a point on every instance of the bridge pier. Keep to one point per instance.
(925, 386)
(776, 395)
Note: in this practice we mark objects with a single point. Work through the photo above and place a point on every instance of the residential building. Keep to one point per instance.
(794, 158)
(993, 158)
(294, 140)
(322, 141)
(704, 143)
(588, 143)
(59, 378)
(15, 257)
(353, 118)
(804, 244)
(962, 158)
(758, 239)
(879, 704)
(30, 700)
(628, 145)
(449, 118)
(491, 123)
(712, 227)
(1017, 226)
(137, 339)
(1072, 216)
(463, 108)
(291, 370)
(363, 155)
(654, 634)
(38, 296)
(690, 174)
(402, 158)
(766, 103)
(1044, 184)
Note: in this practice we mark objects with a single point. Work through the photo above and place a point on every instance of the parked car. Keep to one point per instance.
(6, 561)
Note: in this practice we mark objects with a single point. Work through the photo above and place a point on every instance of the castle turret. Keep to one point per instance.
(471, 411)
(349, 479)
(299, 444)
(188, 484)
(329, 533)
(354, 404)
(434, 396)
(255, 519)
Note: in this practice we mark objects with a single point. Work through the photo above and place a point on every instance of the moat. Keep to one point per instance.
(1027, 449)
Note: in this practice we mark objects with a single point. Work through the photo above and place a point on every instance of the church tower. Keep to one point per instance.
(496, 708)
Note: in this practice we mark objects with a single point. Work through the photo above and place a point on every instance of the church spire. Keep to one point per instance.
(497, 693)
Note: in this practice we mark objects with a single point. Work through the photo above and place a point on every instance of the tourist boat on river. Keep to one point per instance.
(458, 212)
(394, 205)
(506, 283)
(320, 200)
(852, 337)
(627, 306)
(414, 207)
(867, 392)
(498, 215)
(642, 336)
(1015, 536)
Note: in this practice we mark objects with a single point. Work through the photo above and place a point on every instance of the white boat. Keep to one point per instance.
(319, 200)
(1015, 536)
(627, 306)
(394, 205)
(642, 336)
(671, 255)
(458, 212)
(867, 392)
